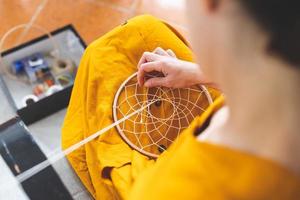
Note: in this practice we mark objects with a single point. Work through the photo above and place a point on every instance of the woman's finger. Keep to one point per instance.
(148, 57)
(160, 51)
(171, 53)
(156, 82)
(152, 66)
(147, 67)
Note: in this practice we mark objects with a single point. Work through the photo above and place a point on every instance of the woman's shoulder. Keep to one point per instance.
(196, 170)
(193, 169)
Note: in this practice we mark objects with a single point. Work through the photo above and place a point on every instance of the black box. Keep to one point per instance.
(20, 152)
(15, 90)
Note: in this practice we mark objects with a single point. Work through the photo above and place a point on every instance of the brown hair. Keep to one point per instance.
(281, 20)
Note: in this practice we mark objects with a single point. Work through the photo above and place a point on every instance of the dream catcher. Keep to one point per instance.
(167, 112)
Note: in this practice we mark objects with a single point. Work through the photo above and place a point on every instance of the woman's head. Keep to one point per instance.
(227, 33)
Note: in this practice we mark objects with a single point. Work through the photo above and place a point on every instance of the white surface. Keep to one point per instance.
(6, 112)
(9, 187)
(47, 132)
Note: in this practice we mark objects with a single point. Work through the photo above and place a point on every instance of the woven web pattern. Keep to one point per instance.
(154, 129)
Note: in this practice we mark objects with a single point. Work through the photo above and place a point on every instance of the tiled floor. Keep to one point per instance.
(92, 18)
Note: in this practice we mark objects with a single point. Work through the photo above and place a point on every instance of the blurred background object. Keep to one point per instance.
(92, 18)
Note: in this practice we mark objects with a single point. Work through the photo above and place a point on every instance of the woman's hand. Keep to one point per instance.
(175, 73)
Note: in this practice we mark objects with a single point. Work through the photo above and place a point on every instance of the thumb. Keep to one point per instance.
(156, 82)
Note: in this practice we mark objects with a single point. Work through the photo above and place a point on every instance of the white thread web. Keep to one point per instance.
(154, 129)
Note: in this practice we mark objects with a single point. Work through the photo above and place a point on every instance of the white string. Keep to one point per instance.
(52, 159)
(32, 20)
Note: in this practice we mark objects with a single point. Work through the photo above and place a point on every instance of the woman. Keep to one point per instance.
(249, 148)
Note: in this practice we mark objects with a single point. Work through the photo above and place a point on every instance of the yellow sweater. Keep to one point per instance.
(199, 170)
(109, 168)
